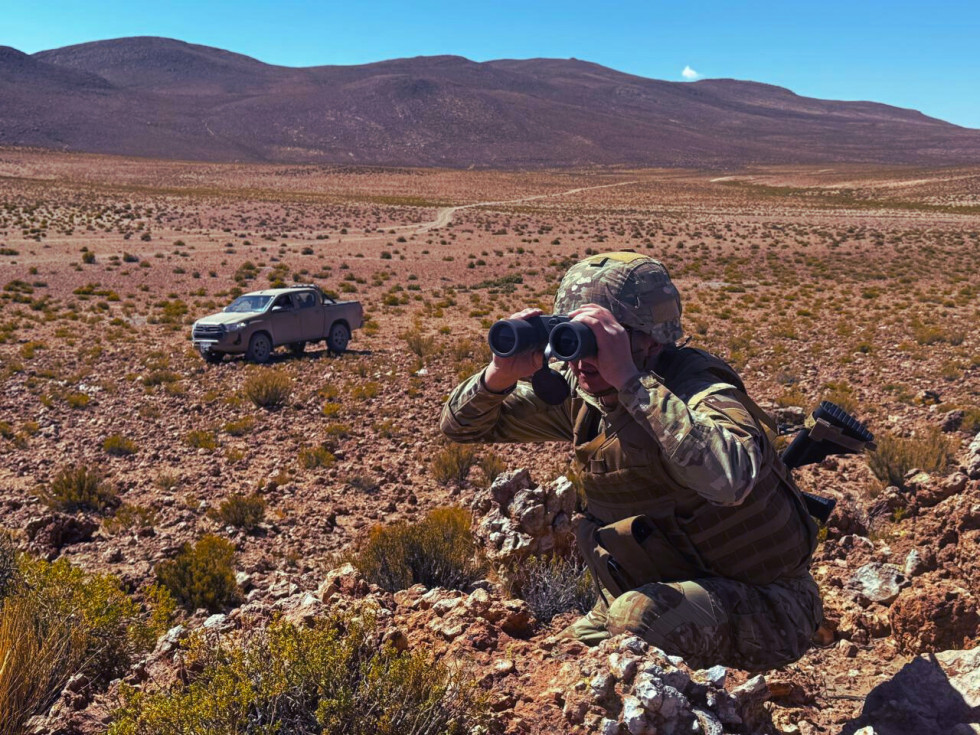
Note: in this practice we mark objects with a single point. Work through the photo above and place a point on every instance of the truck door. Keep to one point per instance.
(284, 320)
(311, 315)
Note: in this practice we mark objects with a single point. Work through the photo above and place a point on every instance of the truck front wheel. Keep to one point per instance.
(259, 348)
(338, 338)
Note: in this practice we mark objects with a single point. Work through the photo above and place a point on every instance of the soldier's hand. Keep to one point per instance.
(503, 372)
(613, 358)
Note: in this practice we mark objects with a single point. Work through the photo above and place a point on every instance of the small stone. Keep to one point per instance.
(914, 564)
(710, 724)
(215, 621)
(715, 676)
(601, 686)
(650, 692)
(609, 727)
(623, 666)
(878, 582)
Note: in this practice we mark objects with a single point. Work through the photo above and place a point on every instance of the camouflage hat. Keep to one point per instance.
(635, 288)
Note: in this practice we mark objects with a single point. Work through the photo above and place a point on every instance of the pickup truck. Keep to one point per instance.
(256, 323)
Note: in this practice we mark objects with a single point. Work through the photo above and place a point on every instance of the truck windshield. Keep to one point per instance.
(249, 303)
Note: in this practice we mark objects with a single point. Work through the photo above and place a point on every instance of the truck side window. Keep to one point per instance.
(305, 299)
(284, 301)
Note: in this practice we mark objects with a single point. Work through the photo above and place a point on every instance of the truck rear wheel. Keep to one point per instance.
(259, 348)
(338, 338)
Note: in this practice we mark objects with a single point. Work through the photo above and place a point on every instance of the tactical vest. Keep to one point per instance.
(677, 534)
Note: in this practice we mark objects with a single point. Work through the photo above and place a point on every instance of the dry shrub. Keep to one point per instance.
(201, 575)
(932, 451)
(490, 465)
(241, 511)
(119, 446)
(333, 677)
(453, 463)
(553, 585)
(437, 551)
(57, 622)
(312, 457)
(78, 488)
(423, 345)
(201, 439)
(128, 517)
(268, 388)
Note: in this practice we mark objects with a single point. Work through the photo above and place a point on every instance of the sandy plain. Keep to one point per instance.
(852, 284)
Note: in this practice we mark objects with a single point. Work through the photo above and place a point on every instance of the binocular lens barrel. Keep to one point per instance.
(509, 337)
(568, 340)
(572, 341)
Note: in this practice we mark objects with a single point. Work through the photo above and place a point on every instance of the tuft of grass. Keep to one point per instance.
(201, 439)
(268, 389)
(332, 677)
(239, 427)
(78, 488)
(490, 466)
(241, 511)
(202, 574)
(128, 517)
(932, 451)
(453, 463)
(119, 446)
(437, 551)
(312, 457)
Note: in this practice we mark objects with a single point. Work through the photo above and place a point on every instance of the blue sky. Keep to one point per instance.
(911, 54)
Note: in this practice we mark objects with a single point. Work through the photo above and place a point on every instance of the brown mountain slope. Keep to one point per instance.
(165, 98)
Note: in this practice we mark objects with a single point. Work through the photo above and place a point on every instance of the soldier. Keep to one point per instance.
(694, 528)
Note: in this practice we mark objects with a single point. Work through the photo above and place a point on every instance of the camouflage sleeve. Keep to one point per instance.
(474, 413)
(713, 443)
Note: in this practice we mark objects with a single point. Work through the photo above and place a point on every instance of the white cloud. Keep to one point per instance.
(689, 73)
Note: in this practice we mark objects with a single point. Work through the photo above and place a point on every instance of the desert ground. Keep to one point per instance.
(852, 284)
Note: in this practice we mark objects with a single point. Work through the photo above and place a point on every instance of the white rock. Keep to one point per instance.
(650, 692)
(634, 717)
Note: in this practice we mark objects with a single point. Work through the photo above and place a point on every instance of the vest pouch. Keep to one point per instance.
(605, 569)
(624, 542)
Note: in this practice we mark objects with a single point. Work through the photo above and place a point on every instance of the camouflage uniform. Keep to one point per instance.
(719, 573)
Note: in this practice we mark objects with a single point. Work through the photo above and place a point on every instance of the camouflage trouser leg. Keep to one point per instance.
(714, 621)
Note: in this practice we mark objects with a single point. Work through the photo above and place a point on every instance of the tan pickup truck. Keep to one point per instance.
(256, 323)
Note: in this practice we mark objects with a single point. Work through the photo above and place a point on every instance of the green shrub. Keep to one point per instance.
(453, 463)
(240, 511)
(8, 566)
(330, 678)
(78, 488)
(268, 388)
(60, 622)
(552, 585)
(202, 574)
(437, 551)
(931, 451)
(119, 446)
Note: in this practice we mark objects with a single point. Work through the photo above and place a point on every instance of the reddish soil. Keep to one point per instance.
(852, 284)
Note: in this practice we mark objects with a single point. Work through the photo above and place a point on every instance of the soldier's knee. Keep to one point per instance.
(631, 612)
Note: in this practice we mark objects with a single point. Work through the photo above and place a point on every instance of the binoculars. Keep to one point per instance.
(566, 339)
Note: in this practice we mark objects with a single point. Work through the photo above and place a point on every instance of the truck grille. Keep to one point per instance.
(208, 331)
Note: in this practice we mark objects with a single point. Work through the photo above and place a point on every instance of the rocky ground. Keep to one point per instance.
(861, 288)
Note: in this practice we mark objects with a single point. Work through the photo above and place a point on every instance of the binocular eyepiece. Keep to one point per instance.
(568, 340)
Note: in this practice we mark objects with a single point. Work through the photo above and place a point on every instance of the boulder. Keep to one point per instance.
(934, 617)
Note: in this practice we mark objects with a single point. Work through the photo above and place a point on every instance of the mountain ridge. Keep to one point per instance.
(158, 97)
